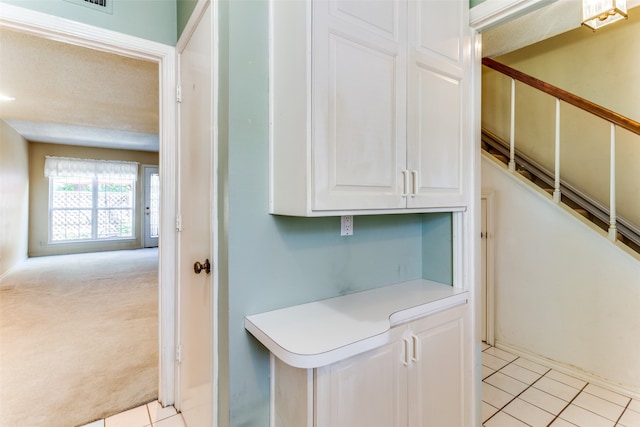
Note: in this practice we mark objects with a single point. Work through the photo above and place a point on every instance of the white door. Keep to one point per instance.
(359, 98)
(196, 289)
(438, 382)
(151, 206)
(437, 96)
(368, 390)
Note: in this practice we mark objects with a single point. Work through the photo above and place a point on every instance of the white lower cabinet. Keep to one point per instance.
(440, 377)
(421, 378)
(365, 390)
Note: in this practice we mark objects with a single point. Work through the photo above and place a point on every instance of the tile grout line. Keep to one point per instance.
(595, 413)
(556, 416)
(610, 401)
(623, 412)
(568, 404)
(149, 414)
(518, 395)
(498, 370)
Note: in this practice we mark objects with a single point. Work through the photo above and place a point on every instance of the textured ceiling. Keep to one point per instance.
(556, 18)
(70, 94)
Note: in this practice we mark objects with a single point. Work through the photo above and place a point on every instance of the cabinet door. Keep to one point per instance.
(358, 104)
(439, 376)
(438, 100)
(368, 390)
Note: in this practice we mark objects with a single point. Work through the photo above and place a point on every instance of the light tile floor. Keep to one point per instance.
(518, 392)
(150, 415)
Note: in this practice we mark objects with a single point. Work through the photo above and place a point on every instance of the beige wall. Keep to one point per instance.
(39, 197)
(599, 66)
(563, 291)
(14, 193)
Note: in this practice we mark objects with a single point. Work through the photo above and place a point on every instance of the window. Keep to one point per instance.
(90, 199)
(154, 206)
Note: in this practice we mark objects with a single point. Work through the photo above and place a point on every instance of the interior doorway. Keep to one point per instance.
(487, 262)
(99, 39)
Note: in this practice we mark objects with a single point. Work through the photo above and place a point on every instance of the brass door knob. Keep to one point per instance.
(198, 267)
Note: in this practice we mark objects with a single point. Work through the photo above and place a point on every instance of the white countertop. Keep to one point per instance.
(323, 332)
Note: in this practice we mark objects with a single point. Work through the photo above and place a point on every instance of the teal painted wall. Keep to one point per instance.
(149, 19)
(437, 247)
(275, 261)
(184, 8)
(268, 262)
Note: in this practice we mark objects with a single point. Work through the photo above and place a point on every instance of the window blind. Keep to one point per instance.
(70, 167)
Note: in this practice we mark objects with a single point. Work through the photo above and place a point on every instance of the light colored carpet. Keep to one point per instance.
(78, 337)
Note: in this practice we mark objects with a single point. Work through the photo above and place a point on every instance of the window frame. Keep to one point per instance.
(95, 191)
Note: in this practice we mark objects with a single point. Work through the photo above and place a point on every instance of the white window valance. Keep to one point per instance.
(66, 167)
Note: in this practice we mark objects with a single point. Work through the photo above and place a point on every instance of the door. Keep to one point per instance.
(151, 206)
(359, 98)
(438, 381)
(196, 284)
(438, 98)
(367, 390)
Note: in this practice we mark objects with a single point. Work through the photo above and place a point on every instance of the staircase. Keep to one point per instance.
(627, 233)
(619, 228)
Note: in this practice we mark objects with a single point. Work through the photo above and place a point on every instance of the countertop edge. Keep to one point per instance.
(366, 343)
(309, 361)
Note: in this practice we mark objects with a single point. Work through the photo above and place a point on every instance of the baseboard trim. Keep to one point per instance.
(570, 370)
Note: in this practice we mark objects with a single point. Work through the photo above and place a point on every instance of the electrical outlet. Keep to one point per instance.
(346, 225)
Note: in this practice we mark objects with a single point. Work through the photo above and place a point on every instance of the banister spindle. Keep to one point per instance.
(512, 134)
(557, 196)
(613, 231)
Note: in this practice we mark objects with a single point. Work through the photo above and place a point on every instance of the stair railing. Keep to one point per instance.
(612, 117)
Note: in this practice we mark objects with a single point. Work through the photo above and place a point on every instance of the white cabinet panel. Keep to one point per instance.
(438, 102)
(378, 17)
(437, 28)
(360, 152)
(369, 106)
(438, 379)
(435, 140)
(358, 98)
(364, 391)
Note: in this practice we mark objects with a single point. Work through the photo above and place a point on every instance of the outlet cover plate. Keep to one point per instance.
(346, 225)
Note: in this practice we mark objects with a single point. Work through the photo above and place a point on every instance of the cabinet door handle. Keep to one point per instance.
(415, 350)
(405, 360)
(414, 183)
(405, 183)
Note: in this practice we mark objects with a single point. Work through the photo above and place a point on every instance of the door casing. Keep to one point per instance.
(84, 35)
(488, 259)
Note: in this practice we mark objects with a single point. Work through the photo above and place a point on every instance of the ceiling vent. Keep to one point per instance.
(101, 5)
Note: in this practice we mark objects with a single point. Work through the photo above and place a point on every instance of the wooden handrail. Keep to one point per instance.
(563, 95)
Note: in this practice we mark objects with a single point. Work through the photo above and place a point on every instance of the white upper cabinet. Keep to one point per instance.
(358, 94)
(368, 106)
(438, 102)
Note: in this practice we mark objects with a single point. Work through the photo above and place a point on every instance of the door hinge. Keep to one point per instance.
(178, 223)
(179, 93)
(178, 353)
